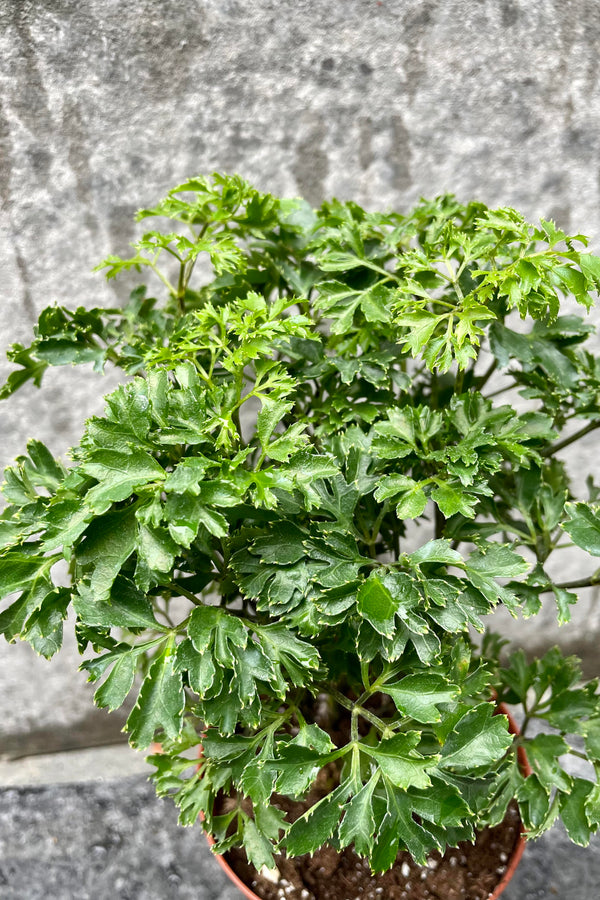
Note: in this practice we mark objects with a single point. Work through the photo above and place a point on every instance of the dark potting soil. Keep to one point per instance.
(469, 872)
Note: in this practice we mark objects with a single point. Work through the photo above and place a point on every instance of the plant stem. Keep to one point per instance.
(181, 289)
(377, 525)
(501, 390)
(589, 581)
(581, 583)
(364, 671)
(434, 395)
(483, 380)
(183, 592)
(560, 445)
(355, 709)
(390, 276)
(579, 754)
(396, 534)
(192, 262)
(165, 614)
(440, 521)
(164, 280)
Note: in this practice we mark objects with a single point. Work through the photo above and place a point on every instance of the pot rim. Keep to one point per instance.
(246, 891)
(521, 841)
(513, 861)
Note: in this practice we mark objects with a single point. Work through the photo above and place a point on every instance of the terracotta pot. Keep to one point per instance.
(513, 862)
(231, 874)
(521, 841)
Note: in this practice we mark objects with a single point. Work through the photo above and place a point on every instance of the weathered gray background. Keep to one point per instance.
(105, 104)
(117, 841)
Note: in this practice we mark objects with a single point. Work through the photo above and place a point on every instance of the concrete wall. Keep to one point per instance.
(105, 104)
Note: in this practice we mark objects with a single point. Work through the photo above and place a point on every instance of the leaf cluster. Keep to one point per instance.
(332, 459)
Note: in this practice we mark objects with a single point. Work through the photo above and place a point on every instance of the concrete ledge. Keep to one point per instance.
(107, 841)
(93, 764)
(116, 839)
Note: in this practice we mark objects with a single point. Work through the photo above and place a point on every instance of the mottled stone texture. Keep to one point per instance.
(117, 841)
(113, 841)
(104, 105)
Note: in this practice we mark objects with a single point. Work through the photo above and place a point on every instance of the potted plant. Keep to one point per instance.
(288, 530)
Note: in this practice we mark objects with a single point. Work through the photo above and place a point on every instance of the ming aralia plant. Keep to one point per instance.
(306, 499)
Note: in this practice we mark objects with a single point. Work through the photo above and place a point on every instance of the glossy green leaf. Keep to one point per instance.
(479, 738)
(316, 826)
(258, 848)
(399, 761)
(116, 687)
(126, 608)
(543, 752)
(417, 696)
(358, 825)
(583, 526)
(159, 706)
(573, 812)
(107, 544)
(118, 475)
(376, 605)
(20, 570)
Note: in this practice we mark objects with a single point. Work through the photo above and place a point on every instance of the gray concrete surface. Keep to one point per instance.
(116, 841)
(111, 841)
(105, 104)
(90, 764)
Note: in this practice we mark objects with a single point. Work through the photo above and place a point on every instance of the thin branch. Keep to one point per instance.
(164, 280)
(502, 390)
(355, 709)
(560, 445)
(181, 289)
(483, 380)
(440, 522)
(459, 382)
(183, 592)
(589, 581)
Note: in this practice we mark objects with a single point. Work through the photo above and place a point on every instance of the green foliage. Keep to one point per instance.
(240, 524)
